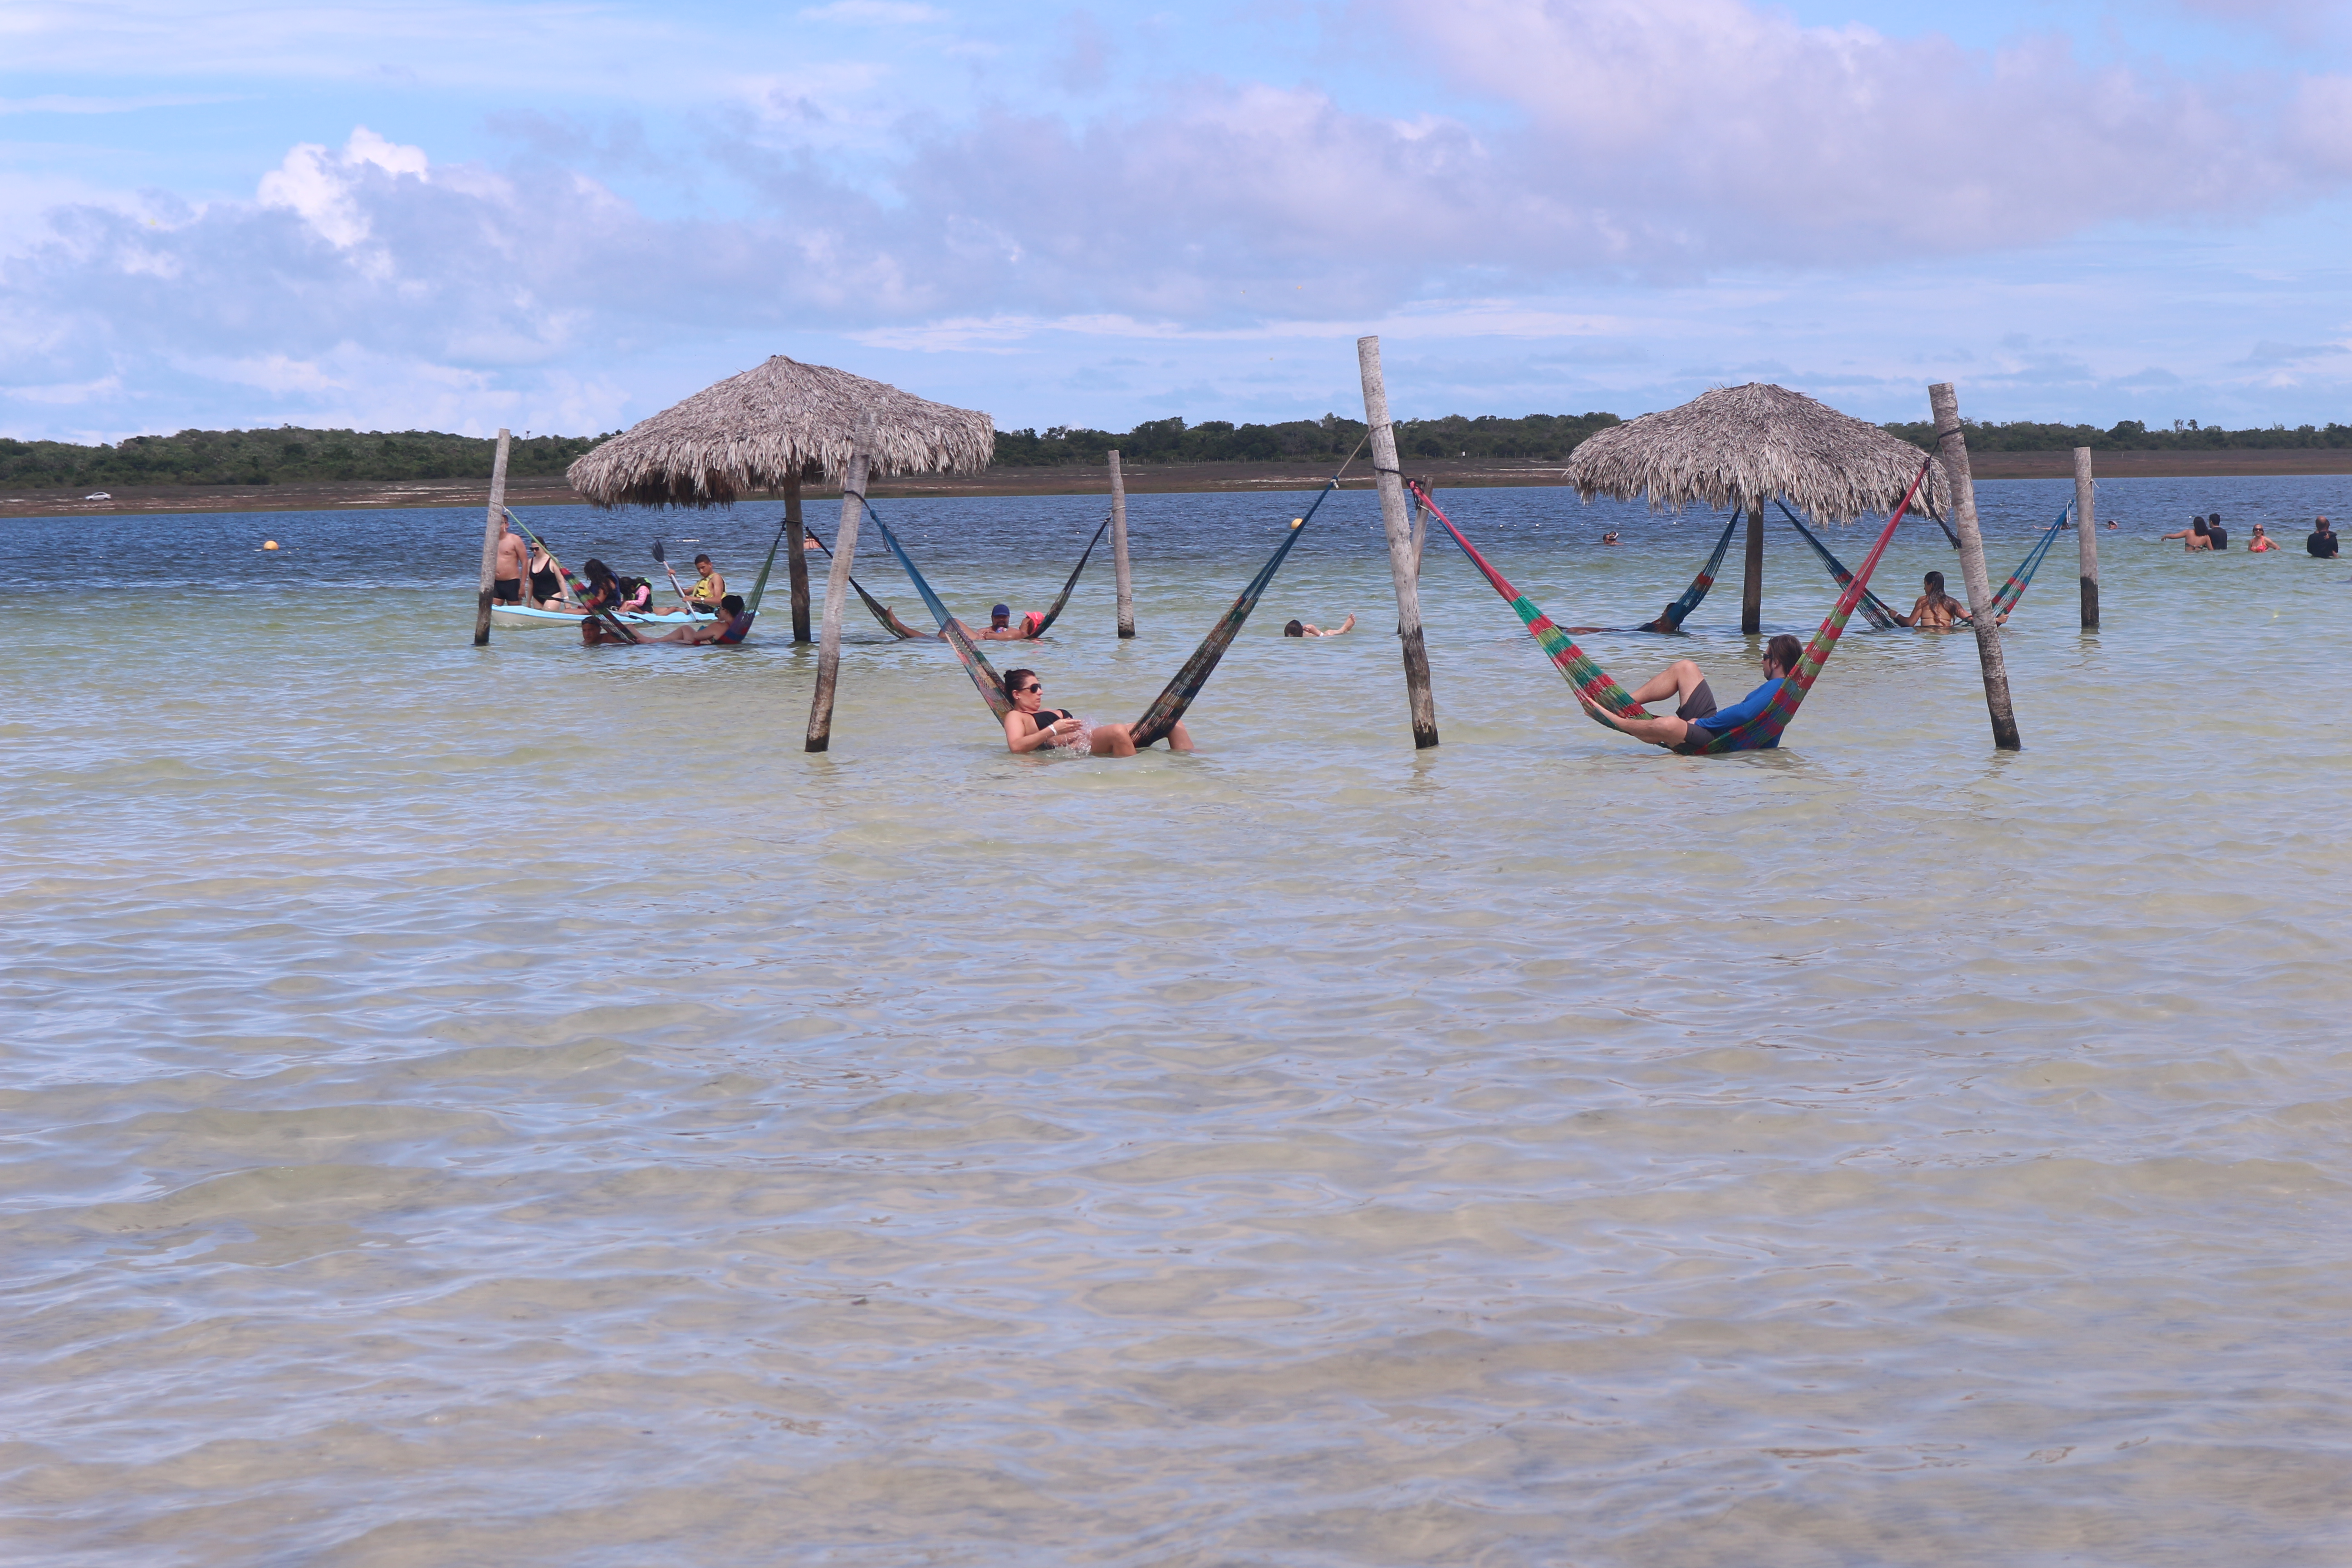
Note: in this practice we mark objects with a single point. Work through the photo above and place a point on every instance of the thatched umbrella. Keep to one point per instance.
(770, 429)
(1745, 444)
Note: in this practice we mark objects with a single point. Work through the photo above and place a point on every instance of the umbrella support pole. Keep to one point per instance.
(1751, 585)
(492, 532)
(1118, 547)
(836, 591)
(1398, 527)
(1952, 451)
(2086, 535)
(796, 540)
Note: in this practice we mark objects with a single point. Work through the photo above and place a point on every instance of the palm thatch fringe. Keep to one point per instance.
(1745, 445)
(774, 423)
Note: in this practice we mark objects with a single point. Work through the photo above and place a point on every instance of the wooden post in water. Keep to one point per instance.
(492, 532)
(1751, 586)
(1118, 547)
(1400, 532)
(836, 591)
(797, 542)
(1420, 533)
(2086, 529)
(1952, 451)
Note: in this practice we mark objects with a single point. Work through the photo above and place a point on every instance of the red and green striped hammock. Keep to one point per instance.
(1601, 688)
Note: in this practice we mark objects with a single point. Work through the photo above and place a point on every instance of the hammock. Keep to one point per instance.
(1681, 608)
(1885, 619)
(1055, 612)
(1874, 608)
(1603, 690)
(759, 584)
(881, 612)
(1170, 705)
(2019, 580)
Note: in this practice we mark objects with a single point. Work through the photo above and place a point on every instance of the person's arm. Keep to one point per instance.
(1666, 732)
(1042, 733)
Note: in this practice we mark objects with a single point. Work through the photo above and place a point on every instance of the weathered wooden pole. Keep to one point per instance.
(836, 591)
(1952, 451)
(797, 542)
(1118, 548)
(1400, 532)
(2086, 531)
(492, 532)
(1420, 533)
(1751, 586)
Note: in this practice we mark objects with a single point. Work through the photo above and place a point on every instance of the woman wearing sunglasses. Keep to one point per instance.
(1032, 726)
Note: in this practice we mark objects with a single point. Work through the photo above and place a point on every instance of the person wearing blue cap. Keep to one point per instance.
(1001, 629)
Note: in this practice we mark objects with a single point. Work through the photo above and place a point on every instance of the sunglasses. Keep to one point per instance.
(1026, 690)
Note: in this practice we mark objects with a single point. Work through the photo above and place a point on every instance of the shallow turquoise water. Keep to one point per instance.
(512, 1104)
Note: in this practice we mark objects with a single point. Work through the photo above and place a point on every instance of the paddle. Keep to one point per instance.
(662, 560)
(578, 587)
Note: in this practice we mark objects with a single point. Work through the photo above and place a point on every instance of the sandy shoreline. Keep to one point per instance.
(1143, 479)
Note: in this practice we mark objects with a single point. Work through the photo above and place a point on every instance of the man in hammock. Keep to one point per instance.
(1685, 682)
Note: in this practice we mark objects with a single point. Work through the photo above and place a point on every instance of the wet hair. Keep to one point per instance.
(1935, 593)
(1015, 679)
(1294, 629)
(2197, 526)
(1785, 653)
(702, 560)
(733, 604)
(599, 575)
(2215, 519)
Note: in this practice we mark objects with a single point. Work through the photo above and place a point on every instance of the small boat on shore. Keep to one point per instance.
(522, 617)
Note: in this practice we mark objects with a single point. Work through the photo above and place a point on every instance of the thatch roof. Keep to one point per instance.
(775, 421)
(1745, 445)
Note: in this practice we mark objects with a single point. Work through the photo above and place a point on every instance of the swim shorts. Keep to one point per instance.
(507, 590)
(1699, 704)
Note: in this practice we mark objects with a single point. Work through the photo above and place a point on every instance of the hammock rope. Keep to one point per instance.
(1679, 611)
(1169, 707)
(883, 615)
(2022, 578)
(984, 679)
(1614, 701)
(1874, 608)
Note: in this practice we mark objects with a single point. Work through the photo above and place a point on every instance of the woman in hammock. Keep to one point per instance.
(1685, 682)
(1937, 611)
(1032, 726)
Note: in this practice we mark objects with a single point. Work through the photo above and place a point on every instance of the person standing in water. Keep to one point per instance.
(546, 581)
(1032, 726)
(506, 582)
(2260, 542)
(2193, 537)
(2322, 542)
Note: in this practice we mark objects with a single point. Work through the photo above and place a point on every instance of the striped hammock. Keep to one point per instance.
(884, 616)
(2003, 602)
(1679, 611)
(1613, 700)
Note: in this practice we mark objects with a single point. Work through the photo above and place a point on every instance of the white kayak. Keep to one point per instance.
(521, 618)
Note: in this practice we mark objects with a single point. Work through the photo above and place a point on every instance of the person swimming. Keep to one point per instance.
(1302, 629)
(1032, 726)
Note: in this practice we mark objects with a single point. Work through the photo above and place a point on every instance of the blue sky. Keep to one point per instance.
(564, 217)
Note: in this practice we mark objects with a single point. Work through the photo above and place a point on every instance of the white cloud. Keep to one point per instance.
(325, 187)
(874, 12)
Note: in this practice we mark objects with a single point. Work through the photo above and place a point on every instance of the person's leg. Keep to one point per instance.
(1677, 681)
(1113, 740)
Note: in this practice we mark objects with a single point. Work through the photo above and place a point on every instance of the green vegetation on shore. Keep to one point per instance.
(279, 457)
(288, 456)
(2129, 436)
(1537, 437)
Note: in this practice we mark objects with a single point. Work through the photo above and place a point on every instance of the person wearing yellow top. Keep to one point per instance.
(709, 587)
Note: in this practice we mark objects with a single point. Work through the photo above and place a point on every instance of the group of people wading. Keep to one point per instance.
(2205, 533)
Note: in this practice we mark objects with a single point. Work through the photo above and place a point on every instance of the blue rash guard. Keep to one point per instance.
(1739, 712)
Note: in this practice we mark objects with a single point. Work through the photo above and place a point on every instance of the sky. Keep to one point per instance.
(564, 217)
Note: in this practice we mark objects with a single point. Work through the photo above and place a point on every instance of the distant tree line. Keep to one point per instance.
(2130, 435)
(1539, 437)
(290, 456)
(283, 456)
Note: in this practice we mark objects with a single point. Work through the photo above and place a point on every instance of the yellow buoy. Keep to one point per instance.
(1298, 522)
(269, 545)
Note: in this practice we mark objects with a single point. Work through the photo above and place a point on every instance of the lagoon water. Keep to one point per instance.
(512, 1105)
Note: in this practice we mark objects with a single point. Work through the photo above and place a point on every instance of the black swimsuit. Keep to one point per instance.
(544, 583)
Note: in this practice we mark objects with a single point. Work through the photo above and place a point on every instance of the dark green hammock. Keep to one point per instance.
(1170, 705)
(1679, 611)
(2004, 601)
(891, 622)
(882, 613)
